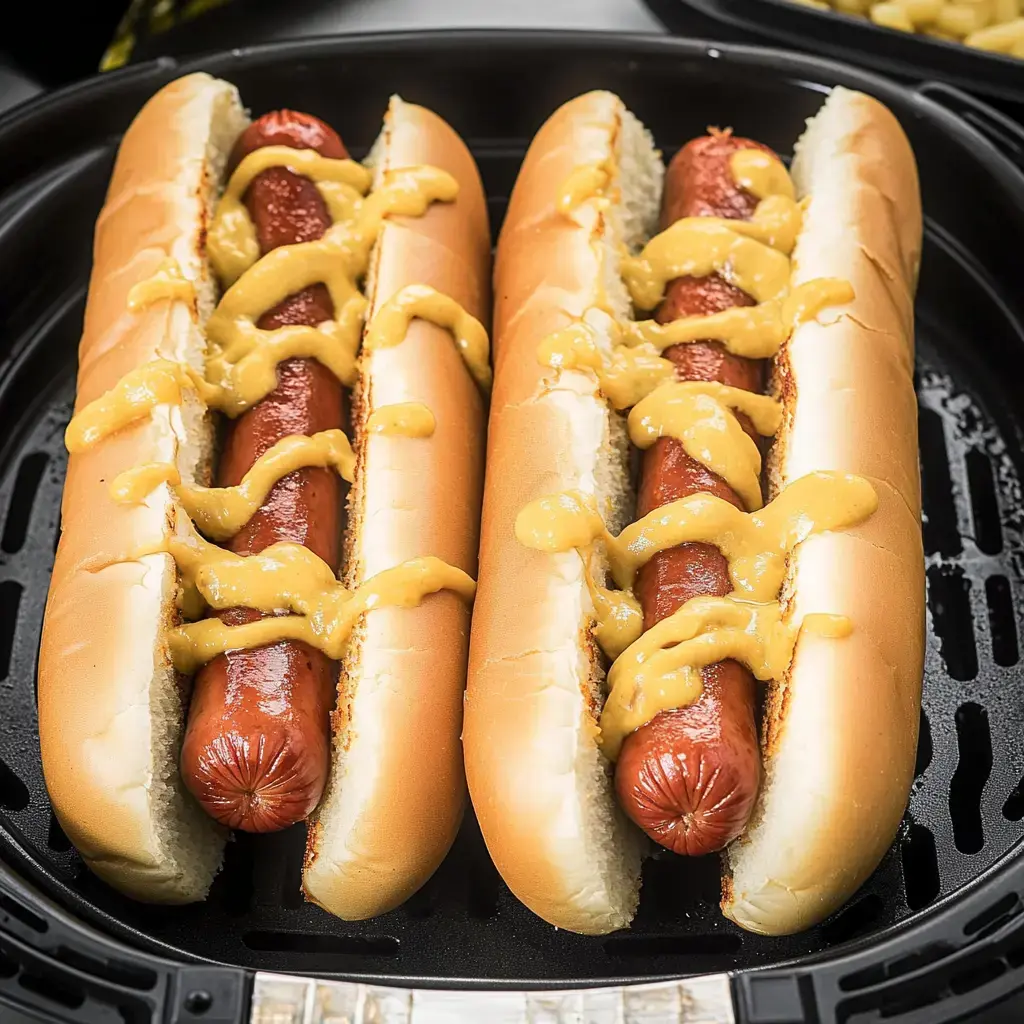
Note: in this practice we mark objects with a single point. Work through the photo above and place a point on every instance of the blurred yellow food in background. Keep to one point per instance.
(996, 26)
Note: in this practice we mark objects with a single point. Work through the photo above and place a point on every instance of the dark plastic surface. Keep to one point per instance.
(53, 967)
(957, 854)
(844, 37)
(1005, 133)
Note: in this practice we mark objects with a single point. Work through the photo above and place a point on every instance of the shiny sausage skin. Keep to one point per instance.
(689, 778)
(257, 746)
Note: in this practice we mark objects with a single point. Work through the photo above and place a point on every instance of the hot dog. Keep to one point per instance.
(251, 765)
(689, 777)
(750, 331)
(270, 323)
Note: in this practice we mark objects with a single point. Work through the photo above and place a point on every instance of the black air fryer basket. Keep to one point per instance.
(935, 933)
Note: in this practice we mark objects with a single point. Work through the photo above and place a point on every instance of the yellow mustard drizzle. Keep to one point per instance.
(619, 619)
(699, 246)
(761, 174)
(337, 260)
(241, 366)
(753, 332)
(134, 484)
(585, 182)
(167, 283)
(242, 358)
(624, 376)
(659, 669)
(240, 371)
(231, 242)
(287, 577)
(246, 371)
(752, 254)
(135, 396)
(408, 419)
(700, 415)
(756, 545)
(220, 512)
(419, 301)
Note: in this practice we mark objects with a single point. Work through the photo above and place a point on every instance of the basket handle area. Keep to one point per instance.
(1000, 130)
(283, 999)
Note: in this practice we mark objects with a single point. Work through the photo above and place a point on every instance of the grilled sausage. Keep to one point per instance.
(257, 746)
(689, 778)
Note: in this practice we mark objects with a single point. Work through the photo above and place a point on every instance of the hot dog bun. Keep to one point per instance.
(841, 730)
(840, 737)
(538, 782)
(397, 789)
(110, 705)
(110, 709)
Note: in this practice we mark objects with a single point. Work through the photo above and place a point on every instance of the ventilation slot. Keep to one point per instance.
(974, 977)
(13, 792)
(857, 919)
(56, 840)
(878, 973)
(988, 533)
(995, 917)
(8, 967)
(22, 914)
(972, 771)
(1002, 621)
(901, 1003)
(924, 745)
(10, 597)
(949, 598)
(114, 971)
(1013, 809)
(328, 945)
(19, 512)
(630, 945)
(136, 1013)
(920, 867)
(941, 533)
(53, 988)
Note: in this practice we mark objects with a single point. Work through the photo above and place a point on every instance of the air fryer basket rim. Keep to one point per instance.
(57, 104)
(37, 117)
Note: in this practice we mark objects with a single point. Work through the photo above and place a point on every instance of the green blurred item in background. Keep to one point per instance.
(151, 18)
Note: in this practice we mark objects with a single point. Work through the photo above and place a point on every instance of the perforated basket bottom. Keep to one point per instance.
(966, 810)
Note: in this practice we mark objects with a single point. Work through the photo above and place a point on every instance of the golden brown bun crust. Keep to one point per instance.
(109, 707)
(539, 786)
(841, 735)
(396, 793)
